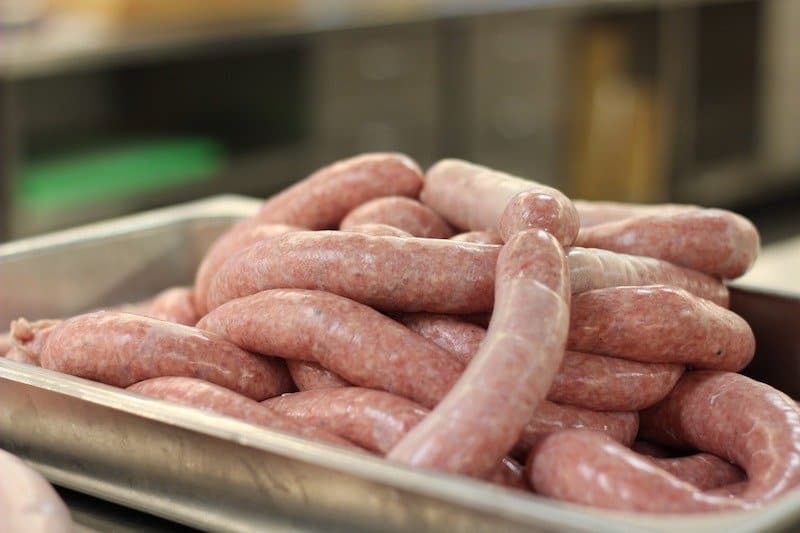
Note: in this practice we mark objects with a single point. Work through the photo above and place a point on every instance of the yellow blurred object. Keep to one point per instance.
(161, 13)
(616, 128)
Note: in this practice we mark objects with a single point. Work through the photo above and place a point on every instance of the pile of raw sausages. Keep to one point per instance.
(589, 341)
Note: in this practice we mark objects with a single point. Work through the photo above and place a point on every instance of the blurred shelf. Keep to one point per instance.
(62, 45)
(734, 183)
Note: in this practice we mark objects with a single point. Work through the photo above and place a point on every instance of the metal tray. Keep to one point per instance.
(217, 473)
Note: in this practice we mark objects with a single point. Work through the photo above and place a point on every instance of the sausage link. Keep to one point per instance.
(239, 237)
(457, 336)
(703, 470)
(584, 380)
(378, 230)
(28, 339)
(323, 199)
(209, 397)
(717, 242)
(592, 268)
(472, 197)
(659, 324)
(552, 418)
(121, 349)
(479, 237)
(590, 468)
(353, 340)
(388, 273)
(27, 501)
(173, 305)
(400, 212)
(611, 384)
(738, 419)
(512, 370)
(375, 420)
(594, 213)
(545, 208)
(308, 375)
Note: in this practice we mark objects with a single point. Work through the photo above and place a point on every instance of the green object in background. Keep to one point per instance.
(123, 169)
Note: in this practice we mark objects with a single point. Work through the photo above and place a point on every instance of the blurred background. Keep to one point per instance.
(114, 106)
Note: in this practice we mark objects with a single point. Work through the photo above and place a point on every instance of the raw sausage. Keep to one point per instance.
(704, 411)
(242, 235)
(551, 418)
(173, 305)
(28, 339)
(584, 380)
(540, 208)
(703, 470)
(400, 212)
(611, 384)
(388, 273)
(717, 242)
(590, 468)
(308, 375)
(480, 237)
(592, 268)
(121, 349)
(378, 230)
(593, 213)
(738, 419)
(373, 419)
(27, 501)
(323, 199)
(353, 340)
(209, 397)
(512, 370)
(457, 336)
(472, 197)
(659, 324)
